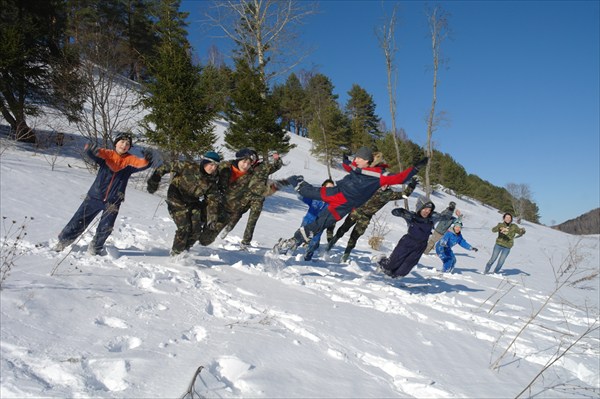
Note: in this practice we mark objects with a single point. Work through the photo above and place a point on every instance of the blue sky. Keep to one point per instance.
(521, 86)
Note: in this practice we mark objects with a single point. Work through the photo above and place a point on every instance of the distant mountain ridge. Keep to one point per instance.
(588, 223)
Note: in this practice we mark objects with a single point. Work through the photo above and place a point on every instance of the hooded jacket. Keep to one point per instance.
(419, 228)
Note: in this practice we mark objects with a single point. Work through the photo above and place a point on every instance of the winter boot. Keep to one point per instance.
(244, 247)
(62, 244)
(345, 257)
(309, 255)
(225, 232)
(283, 246)
(92, 250)
(381, 261)
(332, 242)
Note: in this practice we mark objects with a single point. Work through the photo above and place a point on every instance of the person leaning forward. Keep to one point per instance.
(191, 196)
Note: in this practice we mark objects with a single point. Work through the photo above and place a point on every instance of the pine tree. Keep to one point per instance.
(328, 127)
(291, 103)
(38, 66)
(141, 38)
(252, 114)
(216, 83)
(180, 122)
(335, 141)
(361, 112)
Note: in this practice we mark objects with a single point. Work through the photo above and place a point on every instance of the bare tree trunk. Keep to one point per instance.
(438, 26)
(263, 30)
(386, 42)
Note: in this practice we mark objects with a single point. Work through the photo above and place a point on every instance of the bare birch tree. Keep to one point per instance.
(110, 104)
(263, 30)
(387, 42)
(520, 194)
(438, 28)
(109, 98)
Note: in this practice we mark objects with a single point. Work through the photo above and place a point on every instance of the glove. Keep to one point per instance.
(421, 163)
(295, 180)
(92, 147)
(397, 211)
(474, 249)
(152, 186)
(148, 156)
(413, 183)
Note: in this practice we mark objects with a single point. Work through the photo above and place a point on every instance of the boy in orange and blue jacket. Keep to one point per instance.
(106, 193)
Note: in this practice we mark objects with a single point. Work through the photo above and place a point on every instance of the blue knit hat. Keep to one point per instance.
(456, 223)
(211, 156)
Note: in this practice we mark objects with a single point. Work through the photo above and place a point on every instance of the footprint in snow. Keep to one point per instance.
(108, 374)
(123, 343)
(113, 322)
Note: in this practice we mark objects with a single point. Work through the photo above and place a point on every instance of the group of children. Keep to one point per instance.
(209, 197)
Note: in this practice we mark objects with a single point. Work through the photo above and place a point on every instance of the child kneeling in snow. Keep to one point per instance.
(443, 248)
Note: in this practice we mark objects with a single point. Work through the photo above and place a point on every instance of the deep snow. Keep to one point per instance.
(137, 323)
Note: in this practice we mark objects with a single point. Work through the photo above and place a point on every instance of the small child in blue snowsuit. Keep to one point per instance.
(443, 247)
(314, 209)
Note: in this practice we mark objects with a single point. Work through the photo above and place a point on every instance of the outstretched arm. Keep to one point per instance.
(403, 213)
(154, 179)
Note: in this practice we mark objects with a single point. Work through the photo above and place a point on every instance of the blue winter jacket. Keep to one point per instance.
(314, 208)
(113, 174)
(450, 239)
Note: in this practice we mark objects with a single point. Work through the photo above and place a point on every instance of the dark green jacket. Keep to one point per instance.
(506, 237)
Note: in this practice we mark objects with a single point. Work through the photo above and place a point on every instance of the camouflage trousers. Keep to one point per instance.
(209, 234)
(360, 223)
(189, 221)
(255, 207)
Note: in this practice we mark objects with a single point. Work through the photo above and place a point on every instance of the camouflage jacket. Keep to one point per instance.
(378, 201)
(257, 187)
(507, 234)
(190, 183)
(252, 184)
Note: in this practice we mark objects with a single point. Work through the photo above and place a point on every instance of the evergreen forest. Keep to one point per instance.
(83, 58)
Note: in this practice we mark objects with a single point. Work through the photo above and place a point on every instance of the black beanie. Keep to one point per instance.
(123, 136)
